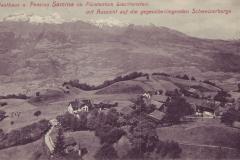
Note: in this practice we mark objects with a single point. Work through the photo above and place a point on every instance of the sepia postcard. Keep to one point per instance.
(119, 79)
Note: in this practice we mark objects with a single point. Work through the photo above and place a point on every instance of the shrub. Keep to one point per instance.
(106, 152)
(162, 74)
(59, 148)
(112, 136)
(37, 113)
(169, 149)
(143, 139)
(193, 79)
(185, 77)
(112, 117)
(2, 115)
(1, 133)
(230, 116)
(48, 95)
(177, 108)
(92, 119)
(37, 94)
(70, 122)
(13, 96)
(102, 131)
(3, 104)
(222, 96)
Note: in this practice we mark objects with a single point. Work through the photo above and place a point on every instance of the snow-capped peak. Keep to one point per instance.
(54, 18)
(108, 22)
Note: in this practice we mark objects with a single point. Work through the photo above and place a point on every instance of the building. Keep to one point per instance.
(54, 122)
(156, 116)
(206, 110)
(158, 105)
(160, 98)
(236, 124)
(76, 107)
(126, 111)
(192, 92)
(70, 145)
(207, 114)
(147, 95)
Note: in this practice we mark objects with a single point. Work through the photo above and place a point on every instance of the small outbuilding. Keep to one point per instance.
(156, 116)
(70, 145)
(126, 111)
(236, 124)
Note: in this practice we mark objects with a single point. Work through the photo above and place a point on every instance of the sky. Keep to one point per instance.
(212, 26)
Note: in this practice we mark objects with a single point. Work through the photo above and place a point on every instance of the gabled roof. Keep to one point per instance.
(126, 110)
(157, 104)
(76, 105)
(157, 115)
(160, 98)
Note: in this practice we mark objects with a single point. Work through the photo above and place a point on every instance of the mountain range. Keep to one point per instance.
(39, 53)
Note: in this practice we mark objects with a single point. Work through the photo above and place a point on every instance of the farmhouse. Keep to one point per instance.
(75, 107)
(206, 109)
(146, 95)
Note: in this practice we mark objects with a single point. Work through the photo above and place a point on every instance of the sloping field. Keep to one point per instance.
(162, 85)
(193, 152)
(46, 96)
(31, 151)
(21, 113)
(130, 87)
(205, 135)
(186, 83)
(138, 86)
(204, 141)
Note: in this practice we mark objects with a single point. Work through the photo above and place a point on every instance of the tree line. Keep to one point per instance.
(87, 87)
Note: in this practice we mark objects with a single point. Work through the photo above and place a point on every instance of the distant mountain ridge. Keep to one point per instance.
(93, 53)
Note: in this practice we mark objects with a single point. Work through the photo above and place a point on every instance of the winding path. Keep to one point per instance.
(48, 140)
